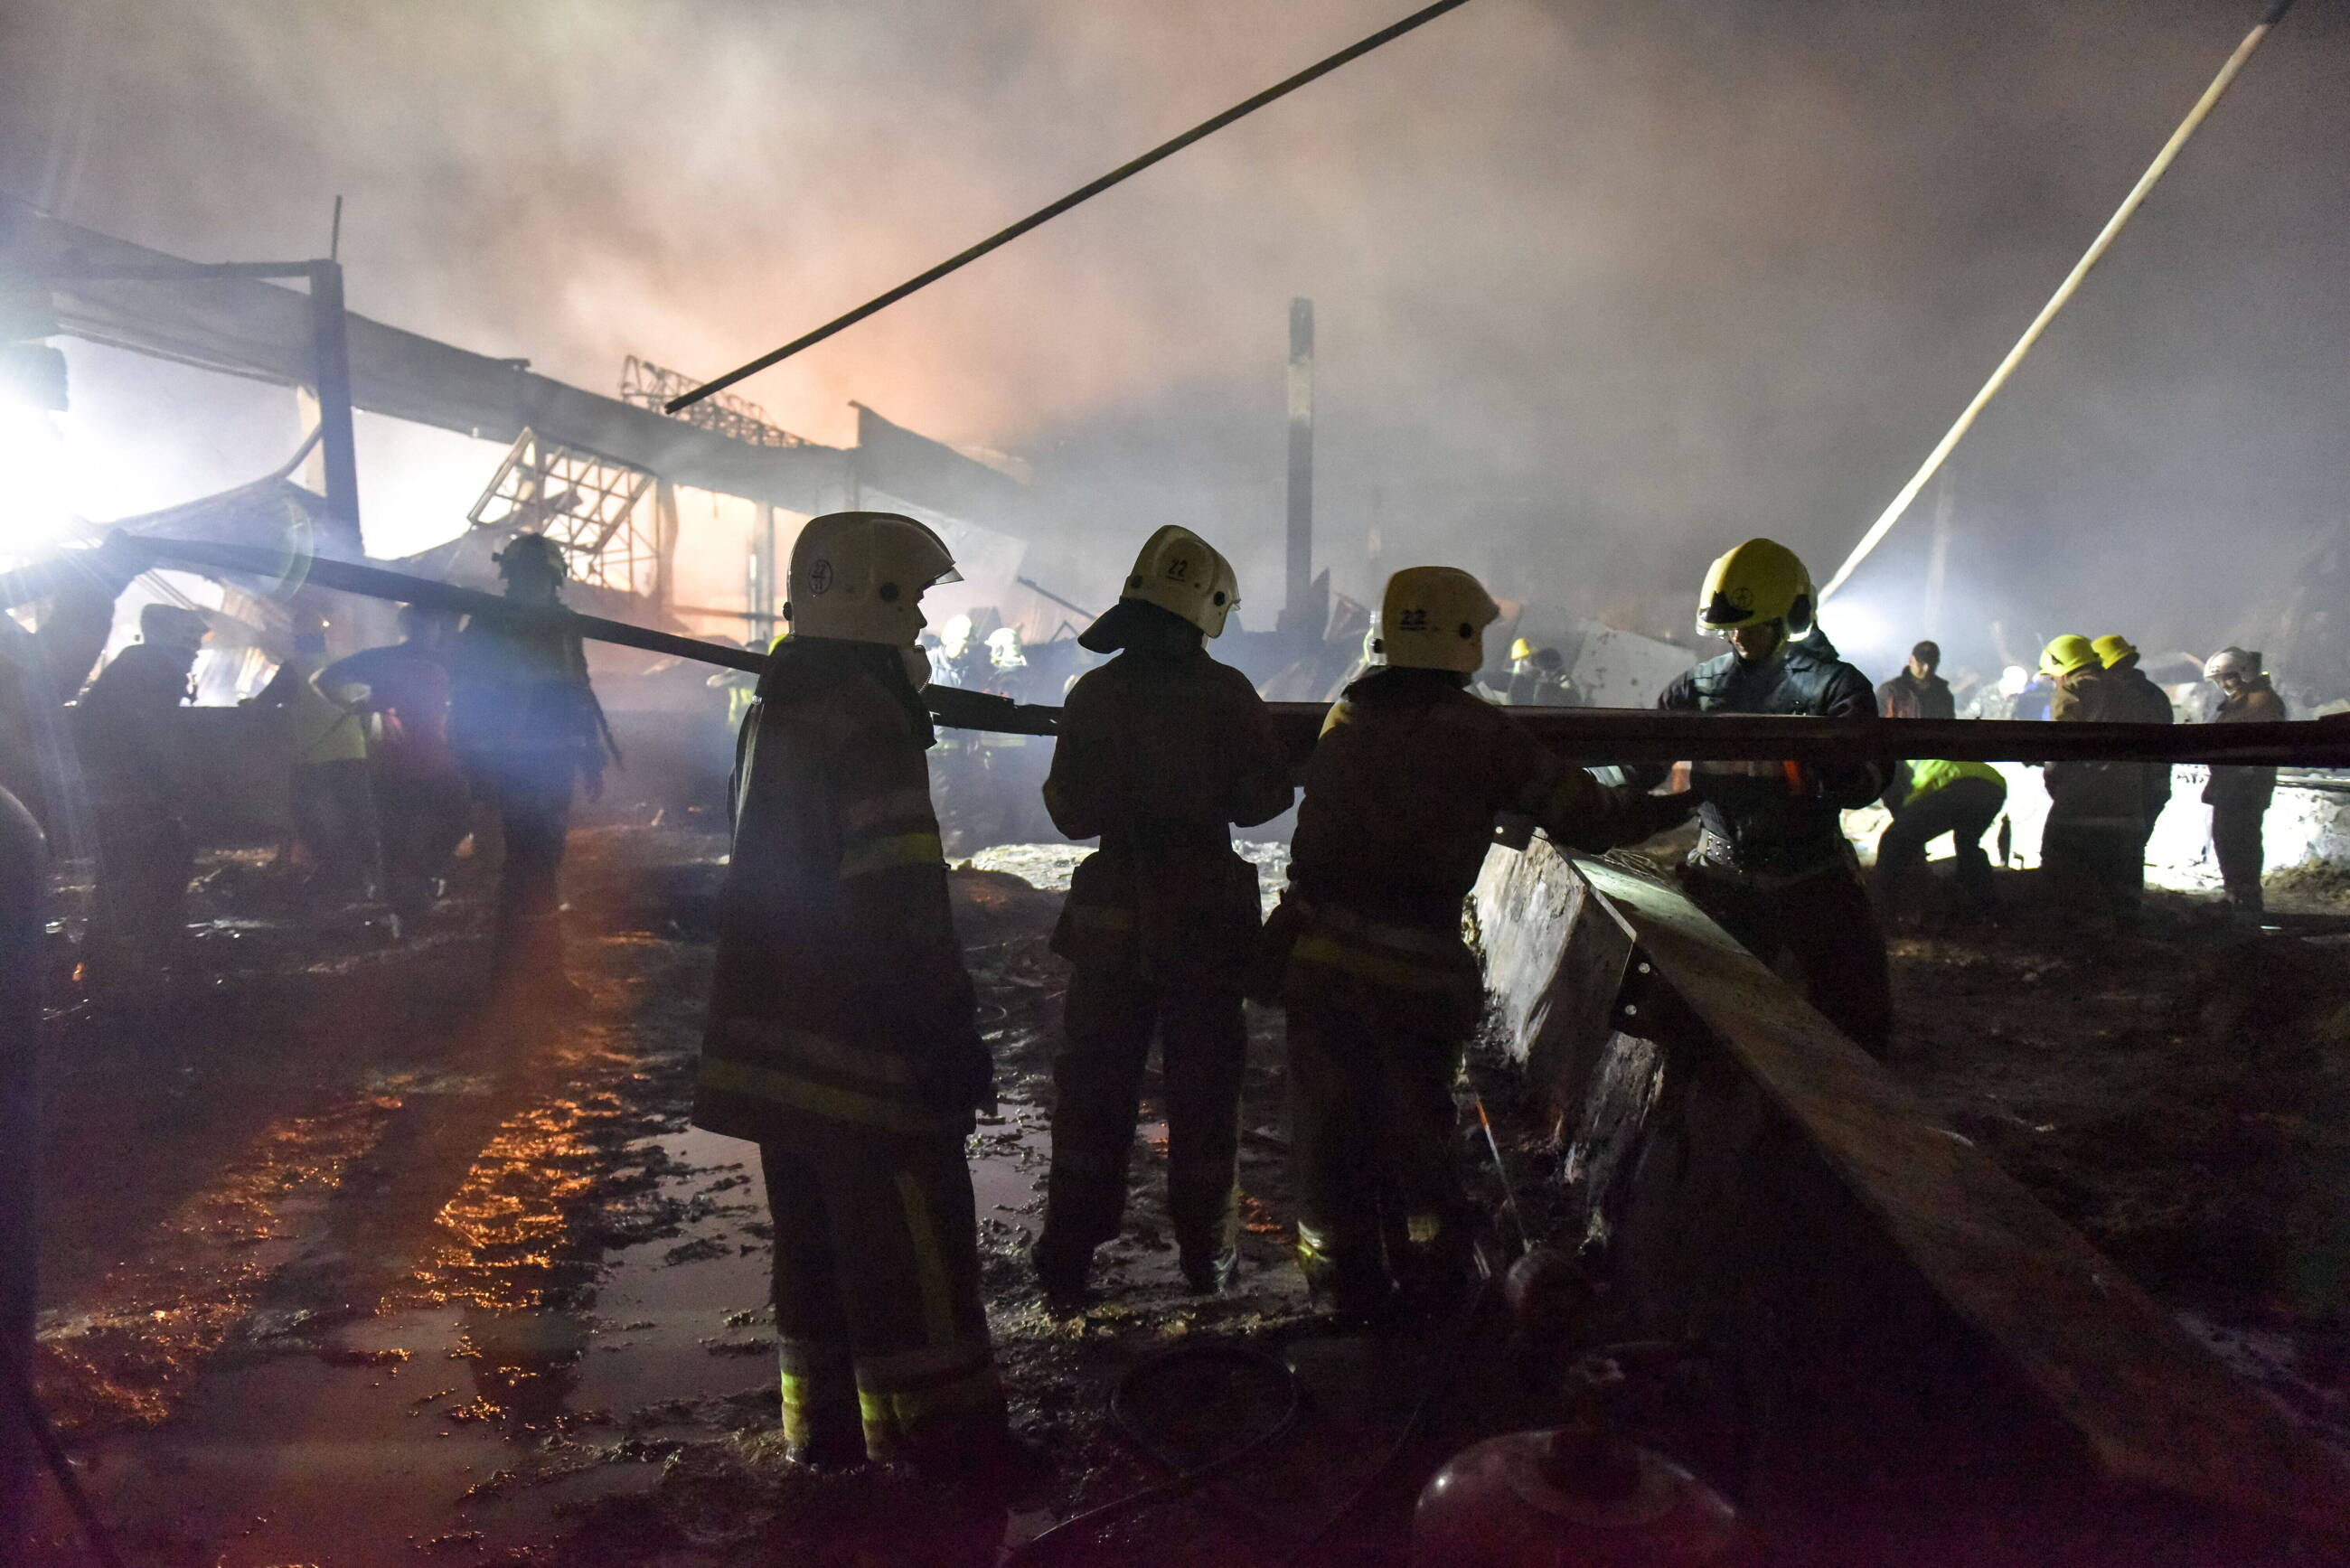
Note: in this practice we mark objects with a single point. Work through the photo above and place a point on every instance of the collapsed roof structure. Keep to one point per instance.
(618, 453)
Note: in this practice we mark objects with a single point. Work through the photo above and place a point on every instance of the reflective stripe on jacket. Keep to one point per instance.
(840, 980)
(1401, 795)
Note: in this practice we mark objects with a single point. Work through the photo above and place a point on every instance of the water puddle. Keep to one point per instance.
(467, 1427)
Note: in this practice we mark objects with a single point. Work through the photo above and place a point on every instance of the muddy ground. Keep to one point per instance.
(2182, 1095)
(342, 1270)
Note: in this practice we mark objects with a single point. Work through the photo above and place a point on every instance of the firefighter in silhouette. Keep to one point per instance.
(2147, 704)
(1538, 678)
(1366, 952)
(2093, 849)
(842, 1034)
(145, 855)
(420, 790)
(1161, 751)
(528, 729)
(2239, 794)
(1772, 865)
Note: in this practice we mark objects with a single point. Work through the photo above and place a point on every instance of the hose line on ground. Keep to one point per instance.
(1081, 1526)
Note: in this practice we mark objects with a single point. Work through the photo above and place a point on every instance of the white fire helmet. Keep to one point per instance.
(1434, 617)
(1004, 650)
(1184, 574)
(2234, 662)
(861, 576)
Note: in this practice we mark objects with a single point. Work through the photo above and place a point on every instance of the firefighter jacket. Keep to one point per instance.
(1402, 793)
(127, 732)
(1159, 750)
(840, 992)
(2144, 703)
(2107, 792)
(520, 704)
(1907, 697)
(1775, 822)
(1530, 686)
(2238, 784)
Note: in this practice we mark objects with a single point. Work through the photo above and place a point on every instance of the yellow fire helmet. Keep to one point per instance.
(2113, 648)
(1521, 649)
(1434, 617)
(1761, 580)
(2068, 654)
(861, 576)
(1184, 575)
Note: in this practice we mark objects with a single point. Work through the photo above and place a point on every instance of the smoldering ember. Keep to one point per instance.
(1512, 783)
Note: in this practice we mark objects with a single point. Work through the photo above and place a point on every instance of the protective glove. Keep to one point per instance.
(1667, 812)
(958, 1075)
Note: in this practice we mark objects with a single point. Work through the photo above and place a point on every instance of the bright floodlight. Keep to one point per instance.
(37, 511)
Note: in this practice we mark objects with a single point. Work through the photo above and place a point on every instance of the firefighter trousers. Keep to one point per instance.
(1819, 930)
(533, 801)
(2094, 866)
(2236, 842)
(1372, 1126)
(881, 1333)
(1111, 1017)
(140, 918)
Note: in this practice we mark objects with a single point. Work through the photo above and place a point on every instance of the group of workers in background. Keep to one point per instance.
(2101, 815)
(391, 751)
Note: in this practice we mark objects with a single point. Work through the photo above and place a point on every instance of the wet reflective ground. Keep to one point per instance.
(343, 1268)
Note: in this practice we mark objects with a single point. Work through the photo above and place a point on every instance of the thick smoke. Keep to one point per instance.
(1601, 288)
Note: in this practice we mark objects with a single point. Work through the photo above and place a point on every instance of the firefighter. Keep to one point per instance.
(1366, 952)
(2092, 851)
(962, 659)
(1160, 751)
(843, 1035)
(1772, 865)
(1007, 664)
(1538, 677)
(420, 799)
(335, 818)
(2239, 796)
(2147, 703)
(145, 854)
(528, 729)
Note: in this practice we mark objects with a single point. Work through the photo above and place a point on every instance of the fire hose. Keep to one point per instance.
(1185, 1476)
(1591, 736)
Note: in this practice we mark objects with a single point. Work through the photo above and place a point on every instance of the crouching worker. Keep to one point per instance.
(1159, 750)
(1365, 951)
(1962, 799)
(842, 1036)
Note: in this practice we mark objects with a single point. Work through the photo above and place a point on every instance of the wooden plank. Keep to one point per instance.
(2154, 1405)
